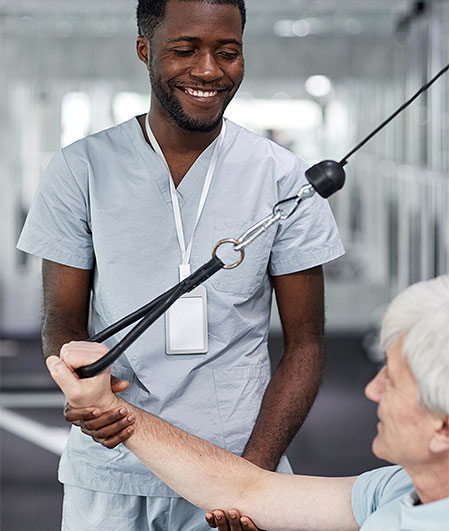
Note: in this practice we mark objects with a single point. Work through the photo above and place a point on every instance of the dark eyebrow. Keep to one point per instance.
(193, 39)
(183, 38)
(230, 41)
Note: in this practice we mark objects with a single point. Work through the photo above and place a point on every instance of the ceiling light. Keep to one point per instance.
(318, 86)
(300, 28)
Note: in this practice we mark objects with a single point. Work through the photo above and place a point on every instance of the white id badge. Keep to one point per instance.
(186, 324)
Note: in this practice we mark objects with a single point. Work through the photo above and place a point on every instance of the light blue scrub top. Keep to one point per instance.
(384, 500)
(104, 202)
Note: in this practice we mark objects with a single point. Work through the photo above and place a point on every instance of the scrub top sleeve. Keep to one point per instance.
(376, 488)
(57, 227)
(310, 236)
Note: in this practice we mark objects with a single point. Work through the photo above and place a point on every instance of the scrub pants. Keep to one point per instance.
(88, 510)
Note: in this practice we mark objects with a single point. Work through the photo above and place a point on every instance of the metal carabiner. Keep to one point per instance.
(279, 212)
(256, 230)
(306, 191)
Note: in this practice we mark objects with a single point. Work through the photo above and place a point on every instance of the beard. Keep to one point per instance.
(173, 107)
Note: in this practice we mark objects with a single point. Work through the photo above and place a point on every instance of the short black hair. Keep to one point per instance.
(150, 13)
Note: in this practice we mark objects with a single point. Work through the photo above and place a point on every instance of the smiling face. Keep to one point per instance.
(196, 63)
(405, 429)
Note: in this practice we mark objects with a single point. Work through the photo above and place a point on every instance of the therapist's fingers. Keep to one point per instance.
(223, 521)
(210, 520)
(117, 439)
(238, 523)
(76, 416)
(105, 432)
(248, 524)
(230, 521)
(234, 520)
(217, 520)
(72, 414)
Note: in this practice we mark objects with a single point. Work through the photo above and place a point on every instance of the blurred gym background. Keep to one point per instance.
(320, 74)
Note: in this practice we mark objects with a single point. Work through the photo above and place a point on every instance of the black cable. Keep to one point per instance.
(128, 320)
(344, 160)
(149, 313)
(100, 365)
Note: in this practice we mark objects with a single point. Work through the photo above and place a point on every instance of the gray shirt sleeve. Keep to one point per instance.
(377, 487)
(57, 227)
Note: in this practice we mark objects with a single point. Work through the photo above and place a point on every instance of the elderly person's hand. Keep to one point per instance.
(230, 521)
(110, 428)
(93, 392)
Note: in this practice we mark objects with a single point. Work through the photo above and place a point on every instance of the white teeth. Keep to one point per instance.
(201, 93)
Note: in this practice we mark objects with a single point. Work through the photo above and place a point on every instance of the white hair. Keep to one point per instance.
(420, 316)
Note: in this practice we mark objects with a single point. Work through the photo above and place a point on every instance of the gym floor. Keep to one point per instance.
(335, 439)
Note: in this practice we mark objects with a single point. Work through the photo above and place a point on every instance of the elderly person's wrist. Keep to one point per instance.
(110, 402)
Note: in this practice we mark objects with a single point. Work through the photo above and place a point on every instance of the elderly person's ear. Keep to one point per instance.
(440, 439)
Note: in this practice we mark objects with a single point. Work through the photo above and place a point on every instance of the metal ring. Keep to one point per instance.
(235, 242)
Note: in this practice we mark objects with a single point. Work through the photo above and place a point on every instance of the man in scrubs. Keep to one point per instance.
(124, 214)
(413, 431)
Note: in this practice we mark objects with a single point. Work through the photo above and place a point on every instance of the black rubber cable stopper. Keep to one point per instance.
(326, 177)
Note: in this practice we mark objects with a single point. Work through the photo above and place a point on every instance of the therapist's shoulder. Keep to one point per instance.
(97, 146)
(262, 149)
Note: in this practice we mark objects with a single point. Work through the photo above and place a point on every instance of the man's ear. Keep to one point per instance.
(440, 439)
(143, 50)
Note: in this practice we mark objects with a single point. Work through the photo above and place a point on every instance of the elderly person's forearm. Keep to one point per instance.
(203, 473)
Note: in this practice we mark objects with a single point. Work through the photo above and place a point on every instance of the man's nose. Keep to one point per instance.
(206, 68)
(373, 390)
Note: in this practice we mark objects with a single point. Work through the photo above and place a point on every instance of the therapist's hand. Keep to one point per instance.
(230, 521)
(109, 429)
(88, 392)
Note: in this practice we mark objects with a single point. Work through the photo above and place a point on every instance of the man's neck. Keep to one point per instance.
(431, 481)
(180, 147)
(173, 138)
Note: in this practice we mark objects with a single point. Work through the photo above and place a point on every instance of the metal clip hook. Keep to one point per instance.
(256, 230)
(285, 211)
(281, 210)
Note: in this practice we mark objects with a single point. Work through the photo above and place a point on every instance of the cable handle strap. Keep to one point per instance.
(150, 312)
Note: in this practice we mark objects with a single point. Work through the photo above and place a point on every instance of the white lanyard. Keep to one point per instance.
(184, 268)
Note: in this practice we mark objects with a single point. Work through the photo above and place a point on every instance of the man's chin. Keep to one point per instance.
(201, 122)
(194, 125)
(378, 448)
